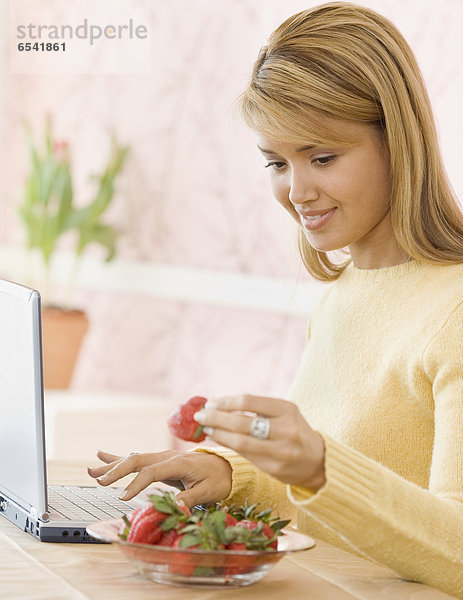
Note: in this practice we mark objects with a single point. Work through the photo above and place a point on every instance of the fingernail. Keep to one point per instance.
(208, 430)
(199, 416)
(124, 495)
(181, 503)
(101, 479)
(211, 404)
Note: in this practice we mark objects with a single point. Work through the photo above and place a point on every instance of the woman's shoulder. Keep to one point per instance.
(440, 297)
(445, 279)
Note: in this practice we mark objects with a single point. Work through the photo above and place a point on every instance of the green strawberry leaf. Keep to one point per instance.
(198, 431)
(249, 510)
(169, 523)
(189, 529)
(123, 535)
(188, 540)
(264, 515)
(165, 503)
(279, 525)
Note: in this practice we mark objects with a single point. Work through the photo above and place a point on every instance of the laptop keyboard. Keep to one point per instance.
(87, 503)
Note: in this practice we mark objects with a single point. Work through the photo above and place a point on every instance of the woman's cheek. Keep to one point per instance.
(281, 194)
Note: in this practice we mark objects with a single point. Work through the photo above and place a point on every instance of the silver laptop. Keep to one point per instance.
(49, 513)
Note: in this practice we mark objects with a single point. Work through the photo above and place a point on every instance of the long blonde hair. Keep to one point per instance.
(344, 61)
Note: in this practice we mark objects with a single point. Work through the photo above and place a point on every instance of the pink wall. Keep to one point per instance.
(194, 192)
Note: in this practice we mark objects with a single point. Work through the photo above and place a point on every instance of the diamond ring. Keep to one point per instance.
(260, 427)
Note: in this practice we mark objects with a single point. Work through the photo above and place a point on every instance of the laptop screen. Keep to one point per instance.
(22, 451)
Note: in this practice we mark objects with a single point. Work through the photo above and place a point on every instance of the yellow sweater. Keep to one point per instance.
(381, 378)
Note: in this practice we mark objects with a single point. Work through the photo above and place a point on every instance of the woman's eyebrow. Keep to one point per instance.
(301, 149)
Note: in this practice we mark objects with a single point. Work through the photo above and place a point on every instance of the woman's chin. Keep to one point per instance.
(322, 245)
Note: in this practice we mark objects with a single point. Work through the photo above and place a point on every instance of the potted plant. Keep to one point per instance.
(48, 212)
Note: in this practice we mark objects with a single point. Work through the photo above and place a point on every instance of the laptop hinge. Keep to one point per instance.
(35, 515)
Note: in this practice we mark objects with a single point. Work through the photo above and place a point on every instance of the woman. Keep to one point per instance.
(367, 452)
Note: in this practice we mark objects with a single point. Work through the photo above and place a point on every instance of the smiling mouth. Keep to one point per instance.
(313, 217)
(313, 222)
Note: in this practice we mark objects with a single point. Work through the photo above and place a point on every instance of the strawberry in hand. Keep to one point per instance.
(181, 422)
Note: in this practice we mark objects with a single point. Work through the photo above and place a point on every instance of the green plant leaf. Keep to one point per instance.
(47, 208)
(105, 235)
(188, 540)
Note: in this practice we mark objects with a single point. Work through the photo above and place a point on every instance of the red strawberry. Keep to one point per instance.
(183, 563)
(139, 513)
(147, 529)
(181, 422)
(268, 531)
(236, 546)
(127, 523)
(169, 538)
(134, 514)
(184, 509)
(238, 564)
(264, 527)
(230, 521)
(248, 524)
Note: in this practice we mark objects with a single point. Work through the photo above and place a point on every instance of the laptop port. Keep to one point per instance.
(76, 533)
(65, 533)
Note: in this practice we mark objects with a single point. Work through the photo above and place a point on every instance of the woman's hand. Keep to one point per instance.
(293, 452)
(205, 478)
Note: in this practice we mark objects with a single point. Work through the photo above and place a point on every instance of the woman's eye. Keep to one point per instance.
(324, 160)
(275, 164)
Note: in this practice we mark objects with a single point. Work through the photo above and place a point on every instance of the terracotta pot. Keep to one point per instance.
(62, 335)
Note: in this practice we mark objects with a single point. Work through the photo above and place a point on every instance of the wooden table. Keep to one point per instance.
(33, 570)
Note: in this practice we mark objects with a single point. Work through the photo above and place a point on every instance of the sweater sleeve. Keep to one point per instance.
(416, 532)
(251, 484)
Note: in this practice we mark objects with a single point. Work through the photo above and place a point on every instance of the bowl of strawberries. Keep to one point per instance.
(213, 547)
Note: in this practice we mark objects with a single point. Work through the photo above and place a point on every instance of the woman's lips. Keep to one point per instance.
(318, 221)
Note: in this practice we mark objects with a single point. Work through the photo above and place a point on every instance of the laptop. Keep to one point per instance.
(49, 513)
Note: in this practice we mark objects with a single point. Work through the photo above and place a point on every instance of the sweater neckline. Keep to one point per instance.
(383, 273)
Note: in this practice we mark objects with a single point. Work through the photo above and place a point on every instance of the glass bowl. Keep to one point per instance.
(194, 567)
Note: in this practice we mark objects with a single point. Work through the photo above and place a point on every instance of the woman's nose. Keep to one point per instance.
(302, 189)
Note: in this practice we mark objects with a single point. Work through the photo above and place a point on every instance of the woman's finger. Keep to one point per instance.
(107, 457)
(245, 445)
(131, 464)
(280, 427)
(172, 469)
(100, 471)
(117, 470)
(110, 459)
(201, 493)
(268, 407)
(226, 421)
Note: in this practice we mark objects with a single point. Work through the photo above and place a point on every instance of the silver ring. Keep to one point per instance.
(260, 427)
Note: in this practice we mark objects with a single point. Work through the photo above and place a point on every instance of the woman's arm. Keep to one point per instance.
(254, 485)
(416, 532)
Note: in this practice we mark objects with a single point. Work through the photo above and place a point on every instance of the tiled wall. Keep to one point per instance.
(194, 192)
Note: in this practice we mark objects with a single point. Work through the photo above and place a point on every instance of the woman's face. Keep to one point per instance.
(338, 195)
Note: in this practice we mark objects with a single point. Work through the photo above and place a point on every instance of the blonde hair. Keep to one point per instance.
(344, 61)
